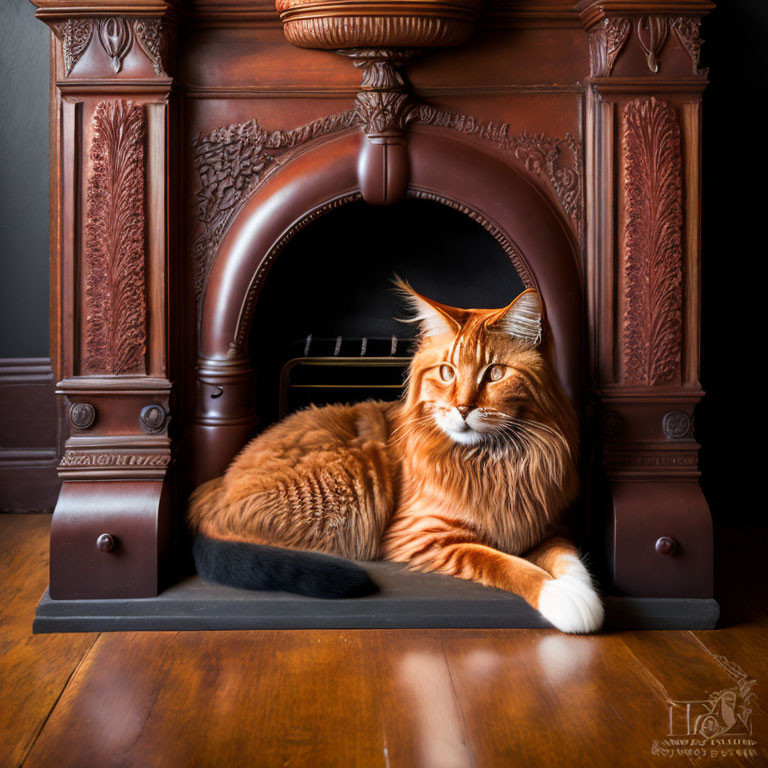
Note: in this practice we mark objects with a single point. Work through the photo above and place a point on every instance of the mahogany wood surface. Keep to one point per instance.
(388, 698)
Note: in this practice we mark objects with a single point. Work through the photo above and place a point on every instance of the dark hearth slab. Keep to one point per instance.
(405, 600)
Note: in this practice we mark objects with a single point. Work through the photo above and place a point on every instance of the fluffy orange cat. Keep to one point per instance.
(467, 476)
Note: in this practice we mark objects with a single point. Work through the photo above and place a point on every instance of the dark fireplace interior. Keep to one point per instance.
(325, 328)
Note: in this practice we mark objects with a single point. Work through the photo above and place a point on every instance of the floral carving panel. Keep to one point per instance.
(230, 162)
(653, 244)
(115, 300)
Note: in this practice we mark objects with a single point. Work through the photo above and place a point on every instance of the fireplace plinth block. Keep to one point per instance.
(109, 539)
(648, 512)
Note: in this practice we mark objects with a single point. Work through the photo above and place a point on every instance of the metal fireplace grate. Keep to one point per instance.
(337, 370)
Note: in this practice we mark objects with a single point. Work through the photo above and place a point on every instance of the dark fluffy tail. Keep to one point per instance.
(259, 567)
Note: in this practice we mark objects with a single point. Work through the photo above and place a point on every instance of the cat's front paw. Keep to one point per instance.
(571, 604)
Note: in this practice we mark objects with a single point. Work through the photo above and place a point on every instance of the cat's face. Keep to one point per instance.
(478, 376)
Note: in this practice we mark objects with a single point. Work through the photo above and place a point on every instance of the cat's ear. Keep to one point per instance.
(521, 319)
(433, 317)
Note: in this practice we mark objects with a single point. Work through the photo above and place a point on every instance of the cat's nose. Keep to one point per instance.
(464, 410)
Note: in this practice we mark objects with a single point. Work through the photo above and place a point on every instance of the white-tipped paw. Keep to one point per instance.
(571, 604)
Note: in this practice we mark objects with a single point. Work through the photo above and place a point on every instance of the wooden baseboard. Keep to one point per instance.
(29, 435)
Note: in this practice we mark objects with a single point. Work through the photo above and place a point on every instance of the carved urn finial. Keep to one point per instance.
(379, 37)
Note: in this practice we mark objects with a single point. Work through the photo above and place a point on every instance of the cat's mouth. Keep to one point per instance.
(465, 435)
(460, 430)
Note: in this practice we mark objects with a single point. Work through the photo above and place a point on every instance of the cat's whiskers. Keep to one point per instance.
(404, 430)
(523, 435)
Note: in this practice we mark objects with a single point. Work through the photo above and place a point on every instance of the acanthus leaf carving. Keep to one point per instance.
(116, 36)
(383, 105)
(231, 161)
(556, 160)
(76, 35)
(606, 43)
(153, 37)
(115, 305)
(652, 333)
(384, 112)
(686, 30)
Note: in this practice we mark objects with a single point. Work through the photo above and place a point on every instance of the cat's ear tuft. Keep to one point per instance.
(433, 318)
(522, 318)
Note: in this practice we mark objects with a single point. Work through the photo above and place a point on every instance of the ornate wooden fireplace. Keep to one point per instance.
(194, 144)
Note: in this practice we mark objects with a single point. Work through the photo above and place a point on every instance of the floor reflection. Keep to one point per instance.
(439, 731)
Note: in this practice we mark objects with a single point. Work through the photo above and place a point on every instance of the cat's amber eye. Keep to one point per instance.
(447, 373)
(495, 372)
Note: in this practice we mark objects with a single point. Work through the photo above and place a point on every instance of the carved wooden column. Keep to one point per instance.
(113, 259)
(642, 155)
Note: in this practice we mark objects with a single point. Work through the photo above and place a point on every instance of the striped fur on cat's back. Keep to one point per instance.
(322, 479)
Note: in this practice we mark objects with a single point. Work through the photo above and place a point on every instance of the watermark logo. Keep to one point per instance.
(716, 727)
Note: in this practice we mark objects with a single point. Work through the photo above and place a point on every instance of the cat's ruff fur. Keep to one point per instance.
(468, 475)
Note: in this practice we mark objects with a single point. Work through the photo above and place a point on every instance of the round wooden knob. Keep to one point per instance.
(105, 542)
(82, 415)
(152, 418)
(665, 545)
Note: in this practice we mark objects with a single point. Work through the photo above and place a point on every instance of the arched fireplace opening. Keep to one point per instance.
(325, 326)
(459, 174)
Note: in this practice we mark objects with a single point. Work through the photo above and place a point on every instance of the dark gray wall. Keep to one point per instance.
(23, 181)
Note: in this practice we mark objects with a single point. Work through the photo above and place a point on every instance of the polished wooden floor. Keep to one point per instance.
(389, 698)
